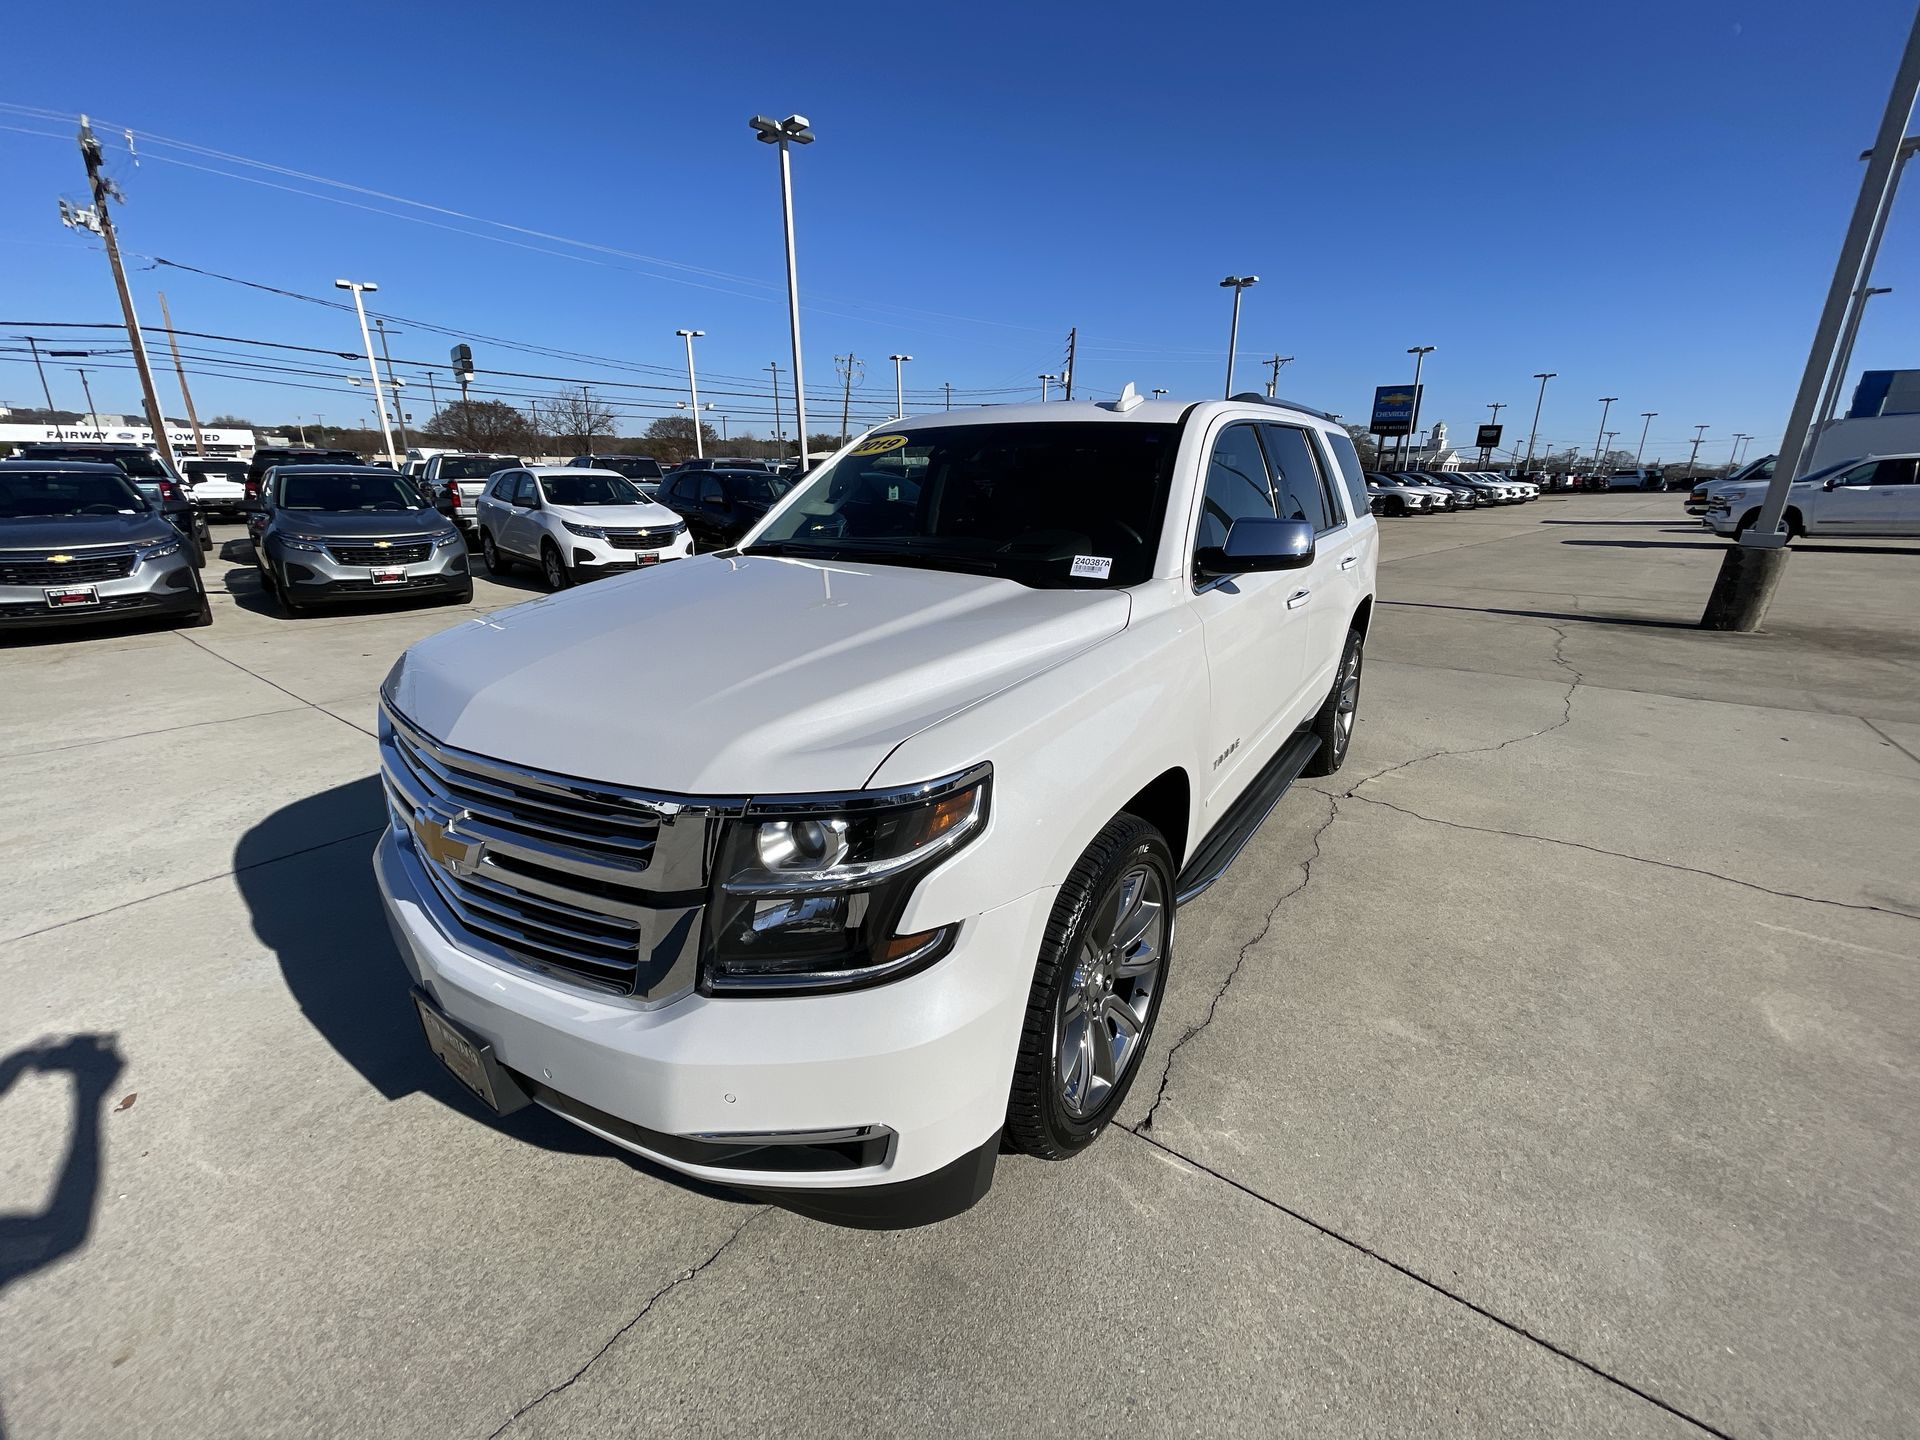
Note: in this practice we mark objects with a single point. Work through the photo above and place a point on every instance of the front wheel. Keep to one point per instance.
(558, 577)
(1334, 722)
(1096, 991)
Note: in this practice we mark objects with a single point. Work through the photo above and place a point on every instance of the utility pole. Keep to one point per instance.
(199, 444)
(1646, 415)
(1542, 377)
(846, 364)
(34, 345)
(1273, 381)
(1073, 342)
(779, 421)
(399, 410)
(100, 222)
(1606, 404)
(1700, 433)
(949, 388)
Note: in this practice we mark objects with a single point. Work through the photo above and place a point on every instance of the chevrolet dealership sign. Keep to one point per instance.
(227, 441)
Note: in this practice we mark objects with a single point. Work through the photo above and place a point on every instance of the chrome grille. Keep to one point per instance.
(392, 553)
(38, 569)
(583, 881)
(657, 538)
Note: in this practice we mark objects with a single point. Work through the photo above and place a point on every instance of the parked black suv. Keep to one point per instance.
(265, 460)
(164, 490)
(720, 506)
(634, 467)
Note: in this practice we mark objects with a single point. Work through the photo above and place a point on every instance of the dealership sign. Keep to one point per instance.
(1393, 407)
(1489, 437)
(182, 440)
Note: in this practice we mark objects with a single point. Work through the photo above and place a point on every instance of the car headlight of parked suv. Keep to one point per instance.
(806, 897)
(158, 549)
(446, 538)
(592, 532)
(302, 542)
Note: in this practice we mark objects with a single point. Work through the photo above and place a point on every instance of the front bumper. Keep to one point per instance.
(153, 588)
(591, 557)
(317, 575)
(928, 1058)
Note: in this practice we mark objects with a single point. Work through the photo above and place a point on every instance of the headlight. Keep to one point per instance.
(450, 537)
(592, 532)
(159, 549)
(302, 542)
(807, 897)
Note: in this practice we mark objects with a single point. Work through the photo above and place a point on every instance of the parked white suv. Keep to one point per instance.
(880, 871)
(574, 524)
(1878, 495)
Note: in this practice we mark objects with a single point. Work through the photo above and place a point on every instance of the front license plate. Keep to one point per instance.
(464, 1058)
(68, 597)
(390, 577)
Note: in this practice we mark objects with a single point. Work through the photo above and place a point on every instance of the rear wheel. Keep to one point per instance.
(554, 567)
(1096, 991)
(1334, 723)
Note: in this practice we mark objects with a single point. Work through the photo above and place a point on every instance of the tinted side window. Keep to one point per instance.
(711, 493)
(1298, 486)
(1237, 486)
(1894, 472)
(524, 490)
(1860, 474)
(1348, 459)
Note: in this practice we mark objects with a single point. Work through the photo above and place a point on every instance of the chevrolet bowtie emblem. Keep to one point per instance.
(59, 559)
(433, 834)
(382, 544)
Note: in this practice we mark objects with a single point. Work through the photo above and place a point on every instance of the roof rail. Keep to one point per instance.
(1255, 397)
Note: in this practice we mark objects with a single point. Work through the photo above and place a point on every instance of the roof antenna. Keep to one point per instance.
(1129, 399)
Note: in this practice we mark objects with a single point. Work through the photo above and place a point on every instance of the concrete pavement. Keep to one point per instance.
(1551, 1069)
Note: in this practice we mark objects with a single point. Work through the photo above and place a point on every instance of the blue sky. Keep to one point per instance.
(1645, 198)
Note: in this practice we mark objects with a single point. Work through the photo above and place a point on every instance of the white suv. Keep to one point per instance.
(574, 524)
(881, 873)
(1878, 495)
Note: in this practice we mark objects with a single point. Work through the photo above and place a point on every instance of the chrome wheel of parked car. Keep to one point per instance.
(1100, 1017)
(554, 568)
(1334, 723)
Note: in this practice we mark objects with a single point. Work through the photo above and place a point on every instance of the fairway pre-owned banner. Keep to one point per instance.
(1489, 437)
(1392, 409)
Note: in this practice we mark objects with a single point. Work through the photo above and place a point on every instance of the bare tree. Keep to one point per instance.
(576, 418)
(485, 425)
(671, 437)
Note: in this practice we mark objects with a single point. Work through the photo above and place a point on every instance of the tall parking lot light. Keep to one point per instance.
(899, 393)
(1647, 416)
(1542, 376)
(1419, 354)
(1236, 283)
(360, 287)
(693, 386)
(794, 130)
(1606, 404)
(1045, 381)
(1739, 439)
(1699, 434)
(1837, 378)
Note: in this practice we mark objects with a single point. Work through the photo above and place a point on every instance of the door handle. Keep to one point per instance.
(1298, 598)
(1349, 562)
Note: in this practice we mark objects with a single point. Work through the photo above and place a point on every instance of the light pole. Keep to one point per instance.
(1857, 302)
(1235, 283)
(399, 411)
(1647, 416)
(693, 387)
(33, 344)
(1045, 380)
(1844, 360)
(1606, 404)
(899, 394)
(1486, 451)
(360, 287)
(1542, 377)
(1699, 434)
(1419, 354)
(1734, 457)
(1158, 391)
(93, 417)
(794, 130)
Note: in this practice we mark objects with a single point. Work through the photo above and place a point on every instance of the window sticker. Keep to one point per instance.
(1092, 567)
(879, 444)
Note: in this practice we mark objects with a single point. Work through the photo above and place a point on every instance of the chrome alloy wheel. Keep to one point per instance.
(1101, 1013)
(1348, 703)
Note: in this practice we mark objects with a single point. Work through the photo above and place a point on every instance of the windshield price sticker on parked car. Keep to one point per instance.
(879, 444)
(1092, 567)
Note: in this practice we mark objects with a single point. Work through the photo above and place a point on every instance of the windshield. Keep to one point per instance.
(587, 488)
(39, 494)
(1046, 505)
(634, 467)
(367, 493)
(474, 467)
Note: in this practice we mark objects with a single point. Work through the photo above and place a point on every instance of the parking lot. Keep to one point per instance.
(1554, 1068)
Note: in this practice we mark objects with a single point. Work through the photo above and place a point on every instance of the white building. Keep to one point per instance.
(1431, 454)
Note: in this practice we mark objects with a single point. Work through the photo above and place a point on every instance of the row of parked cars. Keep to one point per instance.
(1868, 495)
(1415, 492)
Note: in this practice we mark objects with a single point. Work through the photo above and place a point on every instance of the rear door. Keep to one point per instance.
(1303, 490)
(1849, 506)
(494, 511)
(525, 527)
(1875, 499)
(1255, 625)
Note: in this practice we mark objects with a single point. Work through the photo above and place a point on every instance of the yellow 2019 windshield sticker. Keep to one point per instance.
(879, 444)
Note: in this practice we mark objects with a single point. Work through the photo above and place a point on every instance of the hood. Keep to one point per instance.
(648, 516)
(353, 525)
(72, 532)
(737, 675)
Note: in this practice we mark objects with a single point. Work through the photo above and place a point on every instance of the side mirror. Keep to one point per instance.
(1255, 543)
(1827, 484)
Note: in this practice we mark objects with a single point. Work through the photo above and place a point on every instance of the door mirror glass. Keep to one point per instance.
(1255, 543)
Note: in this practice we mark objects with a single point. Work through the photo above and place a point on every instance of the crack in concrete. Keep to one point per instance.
(681, 1279)
(1888, 738)
(1638, 859)
(1306, 878)
(311, 705)
(1560, 659)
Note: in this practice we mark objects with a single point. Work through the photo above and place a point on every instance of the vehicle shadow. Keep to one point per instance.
(1615, 524)
(32, 1240)
(1641, 620)
(316, 907)
(1799, 547)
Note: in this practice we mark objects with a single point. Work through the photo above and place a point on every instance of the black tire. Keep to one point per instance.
(496, 562)
(554, 568)
(289, 607)
(202, 617)
(462, 596)
(1396, 506)
(1746, 523)
(1038, 1121)
(1336, 737)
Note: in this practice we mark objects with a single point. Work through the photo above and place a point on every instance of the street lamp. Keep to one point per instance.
(693, 386)
(1158, 391)
(359, 288)
(1843, 362)
(1606, 404)
(1699, 434)
(899, 394)
(1045, 380)
(1419, 354)
(1542, 377)
(794, 130)
(1646, 415)
(1235, 283)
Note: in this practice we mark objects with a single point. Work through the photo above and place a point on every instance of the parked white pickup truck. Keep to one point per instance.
(873, 869)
